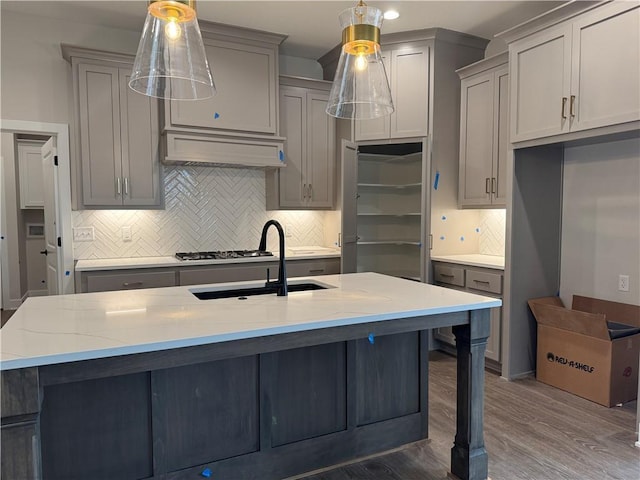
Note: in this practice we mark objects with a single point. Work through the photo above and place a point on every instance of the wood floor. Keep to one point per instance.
(532, 432)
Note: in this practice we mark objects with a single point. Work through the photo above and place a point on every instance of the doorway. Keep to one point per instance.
(12, 291)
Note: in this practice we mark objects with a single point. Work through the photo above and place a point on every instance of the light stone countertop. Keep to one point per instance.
(291, 253)
(473, 259)
(66, 328)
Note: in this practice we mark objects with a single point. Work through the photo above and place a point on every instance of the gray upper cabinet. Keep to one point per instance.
(484, 120)
(246, 96)
(407, 67)
(307, 181)
(562, 68)
(116, 134)
(239, 124)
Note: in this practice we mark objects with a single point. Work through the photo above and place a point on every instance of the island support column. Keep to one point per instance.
(469, 459)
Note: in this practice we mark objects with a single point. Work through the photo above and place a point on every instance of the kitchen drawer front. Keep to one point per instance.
(304, 268)
(130, 281)
(228, 273)
(448, 275)
(484, 281)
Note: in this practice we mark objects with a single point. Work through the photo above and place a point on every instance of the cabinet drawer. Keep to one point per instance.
(487, 282)
(130, 281)
(304, 268)
(228, 273)
(449, 275)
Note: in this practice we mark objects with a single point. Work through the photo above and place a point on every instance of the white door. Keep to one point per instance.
(51, 221)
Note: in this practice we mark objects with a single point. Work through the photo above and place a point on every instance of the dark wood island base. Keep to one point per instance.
(260, 408)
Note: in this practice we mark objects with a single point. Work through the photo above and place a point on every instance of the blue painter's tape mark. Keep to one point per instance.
(477, 230)
(216, 115)
(206, 473)
(67, 273)
(281, 155)
(441, 237)
(436, 180)
(371, 338)
(462, 239)
(444, 217)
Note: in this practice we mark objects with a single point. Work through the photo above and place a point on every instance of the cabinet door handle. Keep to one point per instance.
(118, 187)
(572, 106)
(126, 185)
(310, 192)
(564, 108)
(486, 185)
(340, 239)
(493, 185)
(131, 284)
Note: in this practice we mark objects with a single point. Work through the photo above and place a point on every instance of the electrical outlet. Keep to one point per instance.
(83, 234)
(287, 230)
(126, 234)
(623, 283)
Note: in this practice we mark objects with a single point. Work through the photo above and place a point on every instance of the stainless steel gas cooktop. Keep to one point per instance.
(222, 254)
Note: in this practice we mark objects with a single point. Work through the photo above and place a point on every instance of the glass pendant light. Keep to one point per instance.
(360, 88)
(171, 62)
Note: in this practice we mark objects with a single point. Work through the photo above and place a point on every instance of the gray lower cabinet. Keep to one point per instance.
(257, 271)
(18, 433)
(131, 279)
(117, 134)
(484, 281)
(108, 280)
(186, 414)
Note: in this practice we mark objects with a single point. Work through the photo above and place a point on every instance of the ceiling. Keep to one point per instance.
(312, 26)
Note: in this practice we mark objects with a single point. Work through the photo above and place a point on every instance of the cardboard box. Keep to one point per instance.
(591, 350)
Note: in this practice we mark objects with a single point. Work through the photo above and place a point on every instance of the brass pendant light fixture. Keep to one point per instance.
(171, 61)
(360, 87)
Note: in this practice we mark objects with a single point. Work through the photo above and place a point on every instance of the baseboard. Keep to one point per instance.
(520, 376)
(12, 304)
(37, 293)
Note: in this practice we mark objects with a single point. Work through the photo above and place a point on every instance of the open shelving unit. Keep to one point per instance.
(389, 209)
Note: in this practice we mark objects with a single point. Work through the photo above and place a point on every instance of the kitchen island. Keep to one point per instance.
(156, 383)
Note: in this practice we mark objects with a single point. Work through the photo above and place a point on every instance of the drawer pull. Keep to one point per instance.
(572, 106)
(131, 284)
(484, 282)
(317, 270)
(446, 275)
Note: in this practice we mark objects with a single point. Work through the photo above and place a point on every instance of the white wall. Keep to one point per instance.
(601, 221)
(35, 78)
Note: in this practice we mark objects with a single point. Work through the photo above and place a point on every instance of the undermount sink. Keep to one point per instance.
(247, 291)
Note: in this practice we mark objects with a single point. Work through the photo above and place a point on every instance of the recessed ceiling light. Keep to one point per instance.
(391, 15)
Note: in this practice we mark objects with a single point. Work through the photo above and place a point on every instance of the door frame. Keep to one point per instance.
(64, 221)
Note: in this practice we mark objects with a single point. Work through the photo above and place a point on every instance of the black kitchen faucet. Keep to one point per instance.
(281, 283)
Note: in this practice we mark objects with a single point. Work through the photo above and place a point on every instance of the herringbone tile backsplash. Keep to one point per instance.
(206, 208)
(492, 226)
